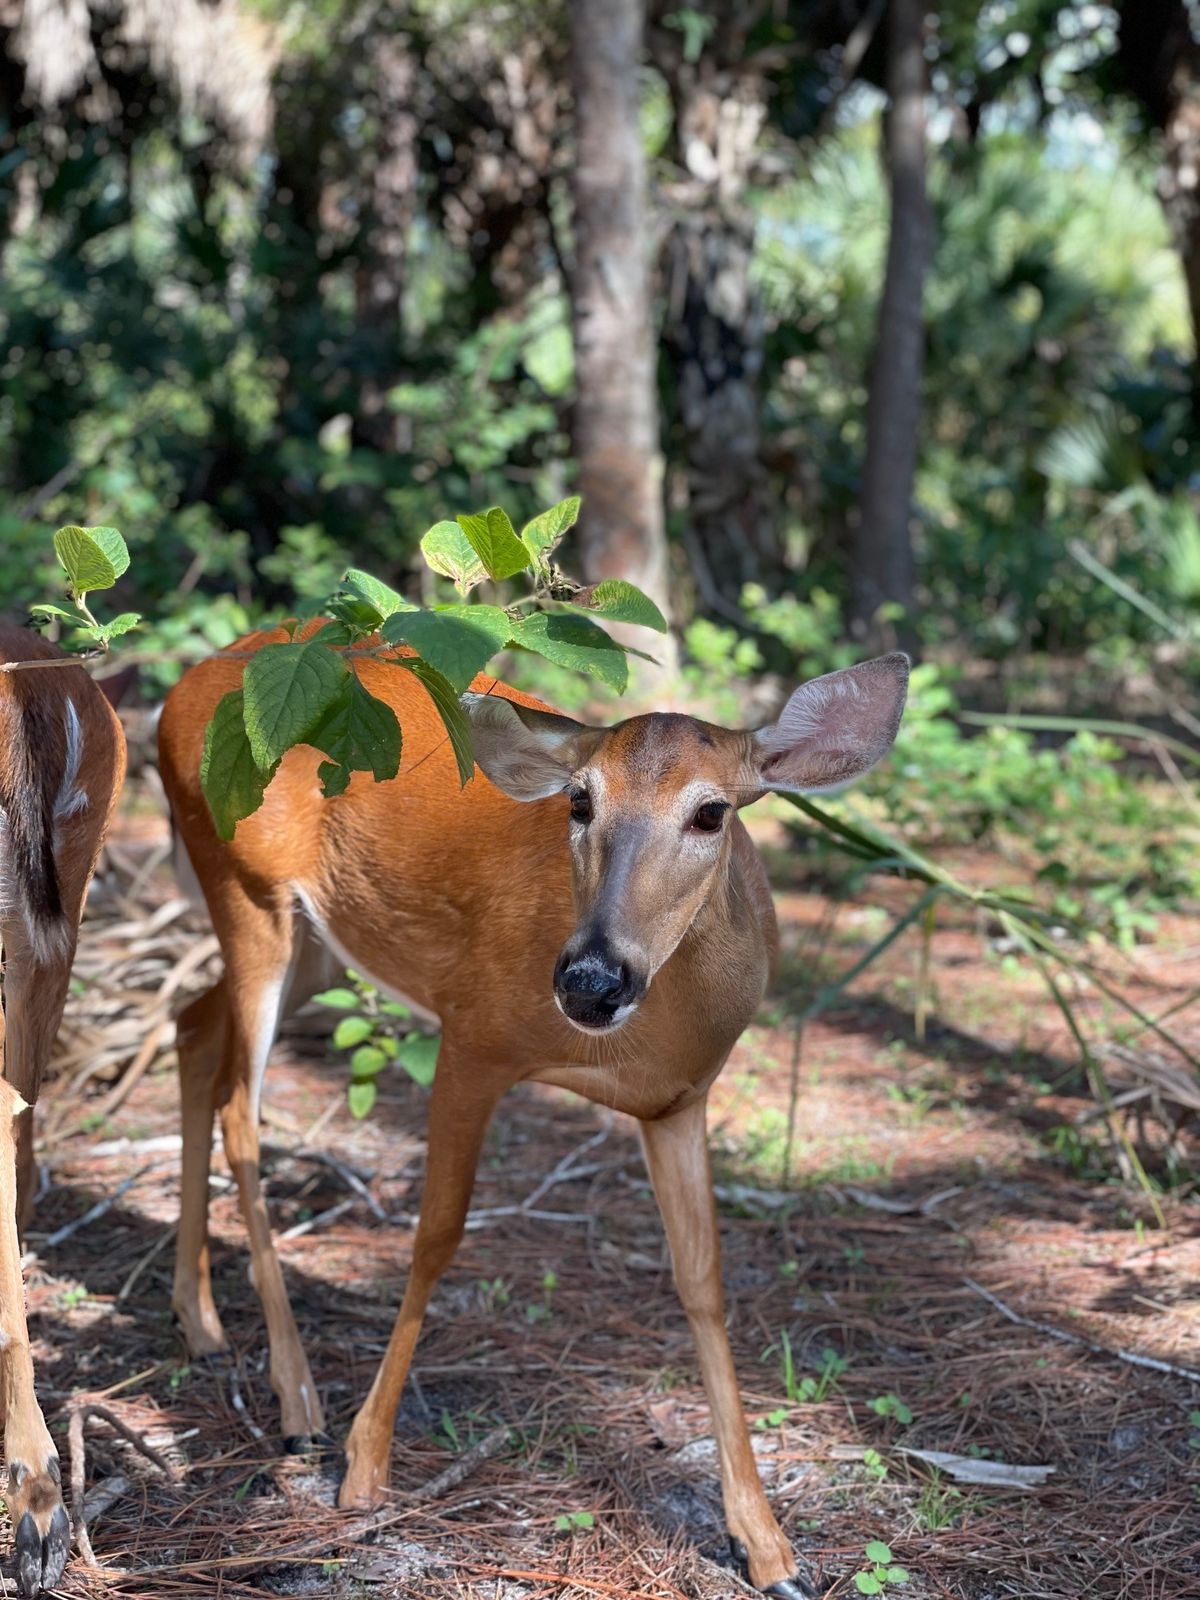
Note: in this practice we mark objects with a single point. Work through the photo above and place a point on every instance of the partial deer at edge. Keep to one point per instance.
(589, 911)
(62, 761)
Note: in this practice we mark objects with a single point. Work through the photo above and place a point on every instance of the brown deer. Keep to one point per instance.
(588, 912)
(62, 760)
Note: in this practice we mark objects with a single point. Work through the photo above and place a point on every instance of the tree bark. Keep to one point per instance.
(1159, 61)
(714, 327)
(616, 434)
(882, 543)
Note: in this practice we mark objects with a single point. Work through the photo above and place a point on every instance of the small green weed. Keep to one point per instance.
(882, 1573)
(939, 1504)
(371, 1031)
(874, 1465)
(570, 1521)
(535, 1312)
(806, 1390)
(891, 1405)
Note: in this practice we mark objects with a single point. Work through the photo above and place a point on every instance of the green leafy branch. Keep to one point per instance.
(307, 692)
(93, 559)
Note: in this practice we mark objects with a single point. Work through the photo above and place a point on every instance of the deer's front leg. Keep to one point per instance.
(677, 1156)
(41, 1527)
(460, 1108)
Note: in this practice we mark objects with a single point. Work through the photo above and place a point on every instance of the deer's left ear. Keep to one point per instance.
(835, 728)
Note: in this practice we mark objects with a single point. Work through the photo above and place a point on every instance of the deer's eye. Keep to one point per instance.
(710, 816)
(581, 805)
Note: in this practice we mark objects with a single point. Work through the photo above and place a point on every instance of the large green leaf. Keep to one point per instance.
(359, 734)
(92, 558)
(232, 782)
(458, 641)
(618, 601)
(492, 536)
(570, 640)
(542, 534)
(289, 689)
(447, 550)
(444, 696)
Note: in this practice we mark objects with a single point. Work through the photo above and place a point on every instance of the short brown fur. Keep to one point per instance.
(462, 899)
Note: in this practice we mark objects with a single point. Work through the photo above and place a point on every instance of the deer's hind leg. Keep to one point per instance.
(225, 1041)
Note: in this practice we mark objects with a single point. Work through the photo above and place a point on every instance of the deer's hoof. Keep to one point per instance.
(43, 1529)
(308, 1444)
(800, 1586)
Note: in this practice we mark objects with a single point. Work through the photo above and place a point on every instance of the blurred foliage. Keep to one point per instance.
(265, 364)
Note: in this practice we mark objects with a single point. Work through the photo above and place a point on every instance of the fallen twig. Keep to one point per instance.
(1051, 1332)
(93, 1213)
(458, 1471)
(79, 1466)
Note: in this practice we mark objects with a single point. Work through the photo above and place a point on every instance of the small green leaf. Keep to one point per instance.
(358, 733)
(878, 1551)
(232, 781)
(337, 999)
(617, 601)
(68, 613)
(441, 691)
(289, 690)
(361, 1097)
(381, 600)
(570, 640)
(542, 534)
(92, 558)
(562, 1523)
(897, 1574)
(492, 536)
(447, 550)
(367, 1061)
(418, 1056)
(584, 1519)
(867, 1583)
(351, 1031)
(457, 641)
(119, 625)
(394, 1008)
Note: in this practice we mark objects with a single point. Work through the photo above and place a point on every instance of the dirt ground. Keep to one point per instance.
(905, 1204)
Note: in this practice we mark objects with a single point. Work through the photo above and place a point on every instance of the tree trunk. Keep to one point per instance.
(882, 545)
(388, 184)
(714, 327)
(1159, 60)
(616, 410)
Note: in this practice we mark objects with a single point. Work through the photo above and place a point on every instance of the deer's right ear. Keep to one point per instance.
(528, 754)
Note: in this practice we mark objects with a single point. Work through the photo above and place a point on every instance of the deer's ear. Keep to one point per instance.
(528, 754)
(835, 728)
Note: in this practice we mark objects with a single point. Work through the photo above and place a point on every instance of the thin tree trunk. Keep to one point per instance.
(616, 410)
(1159, 57)
(714, 326)
(882, 546)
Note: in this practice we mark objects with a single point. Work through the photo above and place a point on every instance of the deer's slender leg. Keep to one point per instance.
(34, 1492)
(459, 1110)
(200, 1039)
(677, 1156)
(35, 992)
(257, 944)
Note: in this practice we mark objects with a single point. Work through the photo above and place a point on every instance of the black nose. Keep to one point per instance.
(592, 985)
